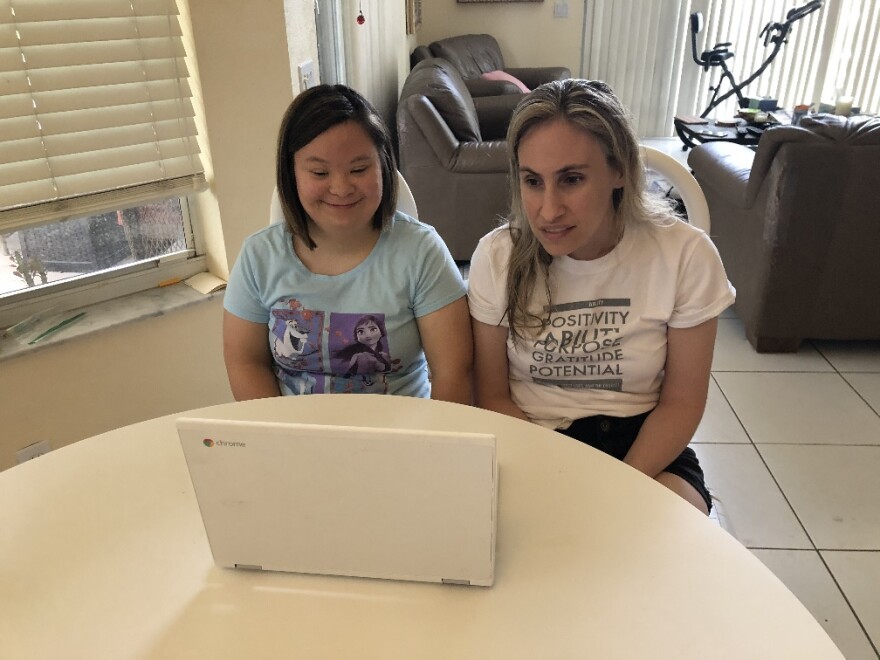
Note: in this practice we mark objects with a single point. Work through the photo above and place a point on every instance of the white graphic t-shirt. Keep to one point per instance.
(604, 349)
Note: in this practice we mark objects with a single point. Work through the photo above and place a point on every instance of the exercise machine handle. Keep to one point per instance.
(798, 13)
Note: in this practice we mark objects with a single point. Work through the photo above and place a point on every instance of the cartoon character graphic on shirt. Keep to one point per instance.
(295, 337)
(292, 342)
(291, 347)
(363, 358)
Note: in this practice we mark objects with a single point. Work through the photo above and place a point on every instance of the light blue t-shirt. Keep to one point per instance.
(322, 329)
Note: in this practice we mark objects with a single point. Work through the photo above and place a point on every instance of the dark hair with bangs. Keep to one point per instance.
(310, 114)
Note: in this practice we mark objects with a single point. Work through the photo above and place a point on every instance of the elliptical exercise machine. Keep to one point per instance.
(774, 32)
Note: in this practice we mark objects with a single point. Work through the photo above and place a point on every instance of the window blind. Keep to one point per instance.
(793, 75)
(95, 108)
(637, 48)
(854, 61)
(643, 51)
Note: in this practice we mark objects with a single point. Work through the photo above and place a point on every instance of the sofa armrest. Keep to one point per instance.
(726, 167)
(479, 87)
(487, 157)
(437, 133)
(494, 112)
(535, 76)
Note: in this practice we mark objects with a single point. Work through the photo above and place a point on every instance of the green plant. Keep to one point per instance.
(27, 268)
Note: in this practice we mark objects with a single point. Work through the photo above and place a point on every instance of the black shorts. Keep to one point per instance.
(615, 435)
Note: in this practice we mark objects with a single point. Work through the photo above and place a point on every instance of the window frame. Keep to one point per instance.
(115, 282)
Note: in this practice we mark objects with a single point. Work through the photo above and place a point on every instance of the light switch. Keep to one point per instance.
(560, 10)
(306, 75)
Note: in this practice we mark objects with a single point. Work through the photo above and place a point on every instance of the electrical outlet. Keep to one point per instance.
(560, 10)
(32, 451)
(306, 72)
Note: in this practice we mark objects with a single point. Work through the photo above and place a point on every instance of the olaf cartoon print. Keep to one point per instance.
(295, 338)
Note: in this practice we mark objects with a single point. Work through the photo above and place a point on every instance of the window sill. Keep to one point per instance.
(111, 314)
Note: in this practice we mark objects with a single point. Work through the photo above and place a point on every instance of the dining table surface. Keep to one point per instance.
(103, 554)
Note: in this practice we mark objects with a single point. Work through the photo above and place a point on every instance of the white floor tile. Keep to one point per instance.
(859, 356)
(733, 352)
(807, 578)
(719, 423)
(803, 408)
(751, 507)
(834, 490)
(830, 473)
(868, 387)
(858, 574)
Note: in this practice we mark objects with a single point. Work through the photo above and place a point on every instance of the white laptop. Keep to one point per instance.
(339, 500)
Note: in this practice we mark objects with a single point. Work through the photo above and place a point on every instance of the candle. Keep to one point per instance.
(843, 106)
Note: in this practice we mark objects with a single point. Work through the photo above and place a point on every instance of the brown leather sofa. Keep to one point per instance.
(453, 154)
(475, 54)
(797, 225)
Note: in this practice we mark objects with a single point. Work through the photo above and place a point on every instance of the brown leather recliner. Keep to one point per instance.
(453, 154)
(475, 54)
(797, 227)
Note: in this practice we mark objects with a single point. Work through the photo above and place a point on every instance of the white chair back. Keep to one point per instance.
(406, 203)
(683, 181)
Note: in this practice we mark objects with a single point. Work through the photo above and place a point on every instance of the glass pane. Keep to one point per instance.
(50, 253)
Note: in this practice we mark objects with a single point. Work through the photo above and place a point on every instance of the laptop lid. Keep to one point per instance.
(339, 500)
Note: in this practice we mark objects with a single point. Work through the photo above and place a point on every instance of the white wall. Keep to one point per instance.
(245, 81)
(171, 363)
(108, 379)
(302, 37)
(527, 32)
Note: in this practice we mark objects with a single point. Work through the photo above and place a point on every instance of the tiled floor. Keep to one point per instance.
(791, 449)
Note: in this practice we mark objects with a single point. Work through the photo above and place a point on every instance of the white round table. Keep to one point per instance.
(103, 555)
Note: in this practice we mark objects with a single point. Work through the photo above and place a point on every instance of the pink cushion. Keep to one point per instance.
(501, 75)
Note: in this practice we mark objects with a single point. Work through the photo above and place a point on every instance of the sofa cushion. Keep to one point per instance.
(438, 80)
(471, 54)
(506, 77)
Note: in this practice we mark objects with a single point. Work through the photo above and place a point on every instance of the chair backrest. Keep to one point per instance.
(683, 181)
(406, 203)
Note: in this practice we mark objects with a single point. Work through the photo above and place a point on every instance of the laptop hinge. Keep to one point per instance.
(452, 581)
(249, 567)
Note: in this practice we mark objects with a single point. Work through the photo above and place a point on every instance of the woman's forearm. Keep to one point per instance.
(453, 385)
(664, 435)
(503, 405)
(671, 425)
(253, 381)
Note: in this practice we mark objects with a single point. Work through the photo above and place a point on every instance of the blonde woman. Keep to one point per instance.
(595, 308)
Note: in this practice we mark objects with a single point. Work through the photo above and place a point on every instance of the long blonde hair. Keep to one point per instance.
(591, 106)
